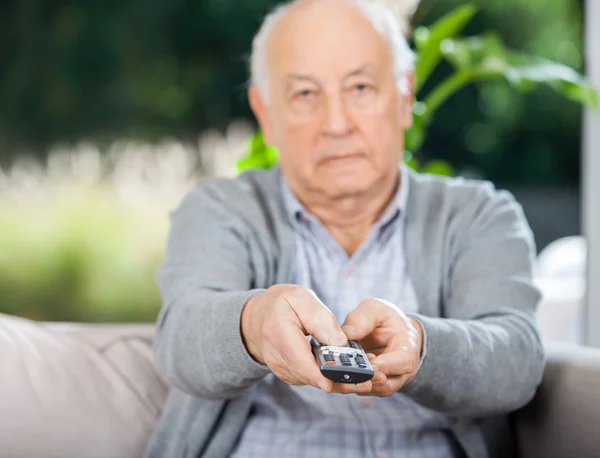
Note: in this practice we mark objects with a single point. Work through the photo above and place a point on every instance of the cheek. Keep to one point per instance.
(384, 134)
(299, 139)
(296, 129)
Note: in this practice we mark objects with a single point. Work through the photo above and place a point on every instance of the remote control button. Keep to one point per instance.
(330, 362)
(360, 361)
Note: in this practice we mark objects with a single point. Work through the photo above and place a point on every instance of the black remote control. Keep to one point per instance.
(348, 364)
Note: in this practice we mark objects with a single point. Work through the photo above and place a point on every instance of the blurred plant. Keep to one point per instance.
(473, 59)
(88, 258)
(82, 236)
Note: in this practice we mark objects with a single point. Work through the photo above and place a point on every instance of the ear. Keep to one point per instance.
(407, 102)
(261, 112)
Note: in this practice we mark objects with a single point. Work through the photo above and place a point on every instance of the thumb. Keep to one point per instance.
(316, 319)
(361, 321)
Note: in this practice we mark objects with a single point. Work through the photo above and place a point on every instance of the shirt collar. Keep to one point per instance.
(293, 207)
(397, 207)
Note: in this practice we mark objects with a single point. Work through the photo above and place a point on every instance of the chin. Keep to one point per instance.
(348, 183)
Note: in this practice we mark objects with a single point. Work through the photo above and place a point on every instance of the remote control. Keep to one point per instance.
(348, 364)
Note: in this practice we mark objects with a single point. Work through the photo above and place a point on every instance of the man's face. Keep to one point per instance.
(334, 111)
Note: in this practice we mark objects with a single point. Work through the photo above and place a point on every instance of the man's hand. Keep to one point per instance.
(393, 342)
(274, 327)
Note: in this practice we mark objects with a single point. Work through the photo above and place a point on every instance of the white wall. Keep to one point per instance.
(591, 178)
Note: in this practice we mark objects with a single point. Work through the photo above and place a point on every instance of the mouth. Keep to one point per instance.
(339, 157)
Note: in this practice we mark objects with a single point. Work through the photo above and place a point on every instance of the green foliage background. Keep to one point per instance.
(107, 70)
(111, 70)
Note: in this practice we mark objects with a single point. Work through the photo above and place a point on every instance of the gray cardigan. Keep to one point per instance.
(470, 255)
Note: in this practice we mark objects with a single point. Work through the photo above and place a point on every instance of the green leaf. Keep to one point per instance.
(428, 40)
(452, 84)
(438, 167)
(414, 137)
(411, 161)
(486, 57)
(259, 156)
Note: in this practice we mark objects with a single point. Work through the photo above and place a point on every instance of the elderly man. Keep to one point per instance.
(339, 241)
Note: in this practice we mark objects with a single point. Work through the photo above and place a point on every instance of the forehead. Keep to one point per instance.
(325, 38)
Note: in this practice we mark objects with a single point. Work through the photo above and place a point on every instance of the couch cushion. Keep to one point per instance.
(76, 390)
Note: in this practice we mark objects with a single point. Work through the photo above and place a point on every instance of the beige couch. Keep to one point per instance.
(91, 391)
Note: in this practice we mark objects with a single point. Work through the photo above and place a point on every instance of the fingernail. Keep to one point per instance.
(338, 339)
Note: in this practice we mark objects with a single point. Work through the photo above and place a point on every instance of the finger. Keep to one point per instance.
(374, 352)
(391, 386)
(316, 319)
(367, 316)
(400, 362)
(372, 358)
(350, 388)
(379, 379)
(298, 362)
(381, 335)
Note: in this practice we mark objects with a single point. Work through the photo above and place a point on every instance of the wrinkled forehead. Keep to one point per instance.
(325, 39)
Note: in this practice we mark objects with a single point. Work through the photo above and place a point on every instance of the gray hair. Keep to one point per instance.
(380, 16)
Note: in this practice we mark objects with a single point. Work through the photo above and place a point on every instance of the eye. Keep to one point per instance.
(304, 94)
(362, 88)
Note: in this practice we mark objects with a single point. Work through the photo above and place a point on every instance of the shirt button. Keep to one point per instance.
(380, 455)
(350, 271)
(365, 403)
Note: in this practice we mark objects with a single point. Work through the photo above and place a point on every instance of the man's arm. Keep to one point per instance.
(205, 282)
(487, 357)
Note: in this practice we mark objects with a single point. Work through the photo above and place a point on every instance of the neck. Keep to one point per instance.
(350, 218)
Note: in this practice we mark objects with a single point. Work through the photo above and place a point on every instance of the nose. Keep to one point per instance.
(337, 123)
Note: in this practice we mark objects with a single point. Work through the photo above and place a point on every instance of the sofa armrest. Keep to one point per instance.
(563, 418)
